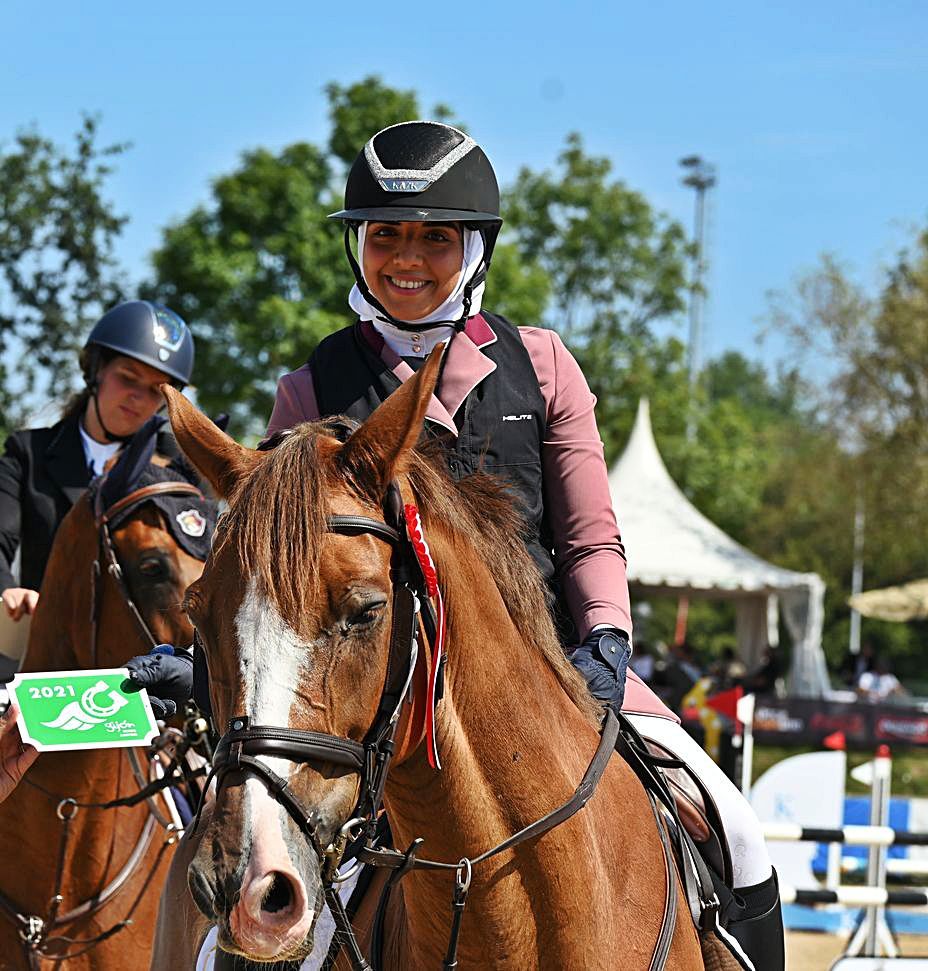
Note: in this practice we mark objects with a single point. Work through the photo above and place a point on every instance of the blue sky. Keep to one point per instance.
(814, 113)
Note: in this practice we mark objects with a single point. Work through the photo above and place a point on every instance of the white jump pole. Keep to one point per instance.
(873, 933)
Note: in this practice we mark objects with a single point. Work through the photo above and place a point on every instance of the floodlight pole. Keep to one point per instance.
(701, 176)
(857, 575)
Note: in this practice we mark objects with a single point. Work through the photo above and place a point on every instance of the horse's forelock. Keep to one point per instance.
(276, 521)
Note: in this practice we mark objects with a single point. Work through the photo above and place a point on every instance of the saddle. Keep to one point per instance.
(696, 811)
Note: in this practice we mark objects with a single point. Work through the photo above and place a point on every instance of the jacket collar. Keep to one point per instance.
(65, 459)
(464, 368)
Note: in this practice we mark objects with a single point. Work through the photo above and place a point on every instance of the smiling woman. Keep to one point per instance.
(131, 351)
(412, 268)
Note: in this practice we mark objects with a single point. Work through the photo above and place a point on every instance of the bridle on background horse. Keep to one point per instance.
(106, 552)
(239, 749)
(35, 931)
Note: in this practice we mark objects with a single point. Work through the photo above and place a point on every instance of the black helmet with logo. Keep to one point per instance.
(146, 331)
(422, 171)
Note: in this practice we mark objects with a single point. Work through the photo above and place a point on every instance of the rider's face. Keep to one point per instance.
(127, 394)
(412, 268)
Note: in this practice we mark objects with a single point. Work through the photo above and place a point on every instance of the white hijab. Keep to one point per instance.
(401, 342)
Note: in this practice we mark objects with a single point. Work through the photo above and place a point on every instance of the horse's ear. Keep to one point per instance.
(376, 453)
(219, 458)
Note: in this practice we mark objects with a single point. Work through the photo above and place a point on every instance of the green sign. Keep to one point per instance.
(62, 710)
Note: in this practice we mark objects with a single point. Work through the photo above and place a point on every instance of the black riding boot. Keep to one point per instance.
(759, 927)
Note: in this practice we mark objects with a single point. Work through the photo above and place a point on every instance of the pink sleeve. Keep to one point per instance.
(588, 549)
(294, 402)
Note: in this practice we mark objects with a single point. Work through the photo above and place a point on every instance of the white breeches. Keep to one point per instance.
(743, 832)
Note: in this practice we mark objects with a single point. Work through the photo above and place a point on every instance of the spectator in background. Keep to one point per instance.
(728, 670)
(685, 655)
(681, 672)
(854, 665)
(642, 662)
(879, 683)
(763, 679)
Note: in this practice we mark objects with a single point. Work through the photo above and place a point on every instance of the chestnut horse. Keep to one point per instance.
(113, 860)
(295, 618)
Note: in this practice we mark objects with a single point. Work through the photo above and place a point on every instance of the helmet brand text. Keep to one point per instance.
(404, 185)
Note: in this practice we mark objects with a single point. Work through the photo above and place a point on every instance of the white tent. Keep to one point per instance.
(673, 549)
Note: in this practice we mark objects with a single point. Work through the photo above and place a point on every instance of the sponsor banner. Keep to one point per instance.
(67, 710)
(805, 721)
(902, 728)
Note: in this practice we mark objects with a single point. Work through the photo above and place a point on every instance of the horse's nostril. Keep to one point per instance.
(279, 896)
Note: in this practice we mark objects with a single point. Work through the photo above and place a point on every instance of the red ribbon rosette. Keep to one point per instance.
(424, 555)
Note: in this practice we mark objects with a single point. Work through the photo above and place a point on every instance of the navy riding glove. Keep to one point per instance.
(167, 674)
(602, 659)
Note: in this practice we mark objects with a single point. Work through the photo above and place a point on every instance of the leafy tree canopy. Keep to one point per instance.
(865, 359)
(57, 236)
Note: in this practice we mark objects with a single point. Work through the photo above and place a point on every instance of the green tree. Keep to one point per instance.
(57, 239)
(602, 245)
(367, 106)
(873, 399)
(260, 275)
(614, 267)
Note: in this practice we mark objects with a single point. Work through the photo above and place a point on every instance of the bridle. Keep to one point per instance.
(106, 552)
(37, 933)
(239, 748)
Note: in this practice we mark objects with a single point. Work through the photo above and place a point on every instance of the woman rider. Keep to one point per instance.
(131, 350)
(423, 202)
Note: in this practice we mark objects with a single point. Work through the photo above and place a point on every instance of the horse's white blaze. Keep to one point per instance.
(273, 661)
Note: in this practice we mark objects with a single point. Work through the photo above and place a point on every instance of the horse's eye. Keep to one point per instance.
(153, 569)
(366, 617)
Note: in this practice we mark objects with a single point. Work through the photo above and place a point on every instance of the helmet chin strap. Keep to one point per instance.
(110, 437)
(411, 326)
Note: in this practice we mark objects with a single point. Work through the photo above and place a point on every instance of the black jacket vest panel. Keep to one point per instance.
(501, 423)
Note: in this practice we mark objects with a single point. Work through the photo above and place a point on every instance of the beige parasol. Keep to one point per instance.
(908, 602)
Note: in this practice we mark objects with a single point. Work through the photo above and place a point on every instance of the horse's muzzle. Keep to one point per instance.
(257, 898)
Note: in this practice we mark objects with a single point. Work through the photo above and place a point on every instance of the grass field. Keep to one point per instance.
(910, 768)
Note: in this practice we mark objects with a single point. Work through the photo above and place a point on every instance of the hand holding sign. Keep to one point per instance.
(15, 757)
(62, 710)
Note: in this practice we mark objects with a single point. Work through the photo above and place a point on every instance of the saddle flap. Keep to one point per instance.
(697, 813)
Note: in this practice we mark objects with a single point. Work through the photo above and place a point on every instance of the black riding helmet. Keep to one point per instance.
(422, 171)
(145, 331)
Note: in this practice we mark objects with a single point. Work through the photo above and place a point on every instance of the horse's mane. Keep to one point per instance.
(278, 541)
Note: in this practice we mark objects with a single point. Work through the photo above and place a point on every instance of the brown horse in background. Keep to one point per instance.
(296, 619)
(115, 859)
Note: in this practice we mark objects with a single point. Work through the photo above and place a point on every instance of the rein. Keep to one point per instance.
(239, 748)
(35, 931)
